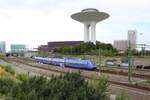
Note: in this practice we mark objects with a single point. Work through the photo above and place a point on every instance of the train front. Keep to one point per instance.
(91, 64)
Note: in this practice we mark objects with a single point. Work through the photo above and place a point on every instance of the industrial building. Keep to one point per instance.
(2, 46)
(53, 45)
(62, 44)
(120, 45)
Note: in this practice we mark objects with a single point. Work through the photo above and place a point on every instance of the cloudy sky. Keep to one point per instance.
(35, 22)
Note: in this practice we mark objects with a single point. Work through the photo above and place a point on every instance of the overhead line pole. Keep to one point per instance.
(129, 61)
(99, 58)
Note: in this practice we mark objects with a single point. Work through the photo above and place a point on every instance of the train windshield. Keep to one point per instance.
(93, 63)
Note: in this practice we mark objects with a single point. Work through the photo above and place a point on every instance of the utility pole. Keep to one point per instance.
(129, 61)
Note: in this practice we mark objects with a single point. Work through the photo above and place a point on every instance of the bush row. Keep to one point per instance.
(66, 87)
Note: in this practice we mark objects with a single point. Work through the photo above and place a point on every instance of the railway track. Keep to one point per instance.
(83, 73)
(142, 73)
(125, 73)
(134, 69)
(116, 71)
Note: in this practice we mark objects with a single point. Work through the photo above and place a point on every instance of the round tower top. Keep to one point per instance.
(89, 15)
(89, 10)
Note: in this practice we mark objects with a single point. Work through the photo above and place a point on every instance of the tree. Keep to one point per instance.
(87, 48)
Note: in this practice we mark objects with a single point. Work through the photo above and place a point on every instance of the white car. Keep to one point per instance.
(110, 62)
(124, 65)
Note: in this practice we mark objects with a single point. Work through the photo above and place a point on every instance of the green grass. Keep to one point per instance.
(8, 69)
(123, 96)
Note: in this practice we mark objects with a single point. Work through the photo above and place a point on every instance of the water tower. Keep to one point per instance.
(89, 17)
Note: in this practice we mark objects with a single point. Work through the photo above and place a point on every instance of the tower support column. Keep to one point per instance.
(86, 33)
(93, 34)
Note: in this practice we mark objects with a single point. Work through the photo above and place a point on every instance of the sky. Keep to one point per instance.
(35, 22)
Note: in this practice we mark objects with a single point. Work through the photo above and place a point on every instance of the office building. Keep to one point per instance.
(132, 37)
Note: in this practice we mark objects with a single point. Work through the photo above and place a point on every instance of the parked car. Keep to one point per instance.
(111, 62)
(147, 67)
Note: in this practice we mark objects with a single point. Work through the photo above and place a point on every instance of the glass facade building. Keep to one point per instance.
(17, 48)
(2, 47)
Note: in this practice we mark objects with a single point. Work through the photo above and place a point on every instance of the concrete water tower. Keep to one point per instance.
(89, 17)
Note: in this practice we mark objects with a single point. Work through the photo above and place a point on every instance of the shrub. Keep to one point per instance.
(66, 87)
(6, 85)
(100, 88)
(22, 77)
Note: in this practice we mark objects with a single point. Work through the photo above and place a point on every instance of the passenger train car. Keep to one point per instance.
(67, 62)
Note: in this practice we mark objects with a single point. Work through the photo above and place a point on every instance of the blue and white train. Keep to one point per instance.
(67, 62)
